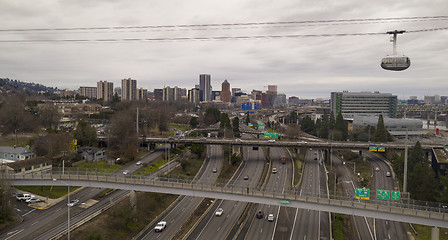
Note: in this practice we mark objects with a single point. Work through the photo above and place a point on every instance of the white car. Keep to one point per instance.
(73, 202)
(271, 140)
(160, 226)
(32, 200)
(271, 217)
(139, 163)
(125, 172)
(274, 170)
(219, 212)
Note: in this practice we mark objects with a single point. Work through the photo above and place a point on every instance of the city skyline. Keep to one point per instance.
(309, 66)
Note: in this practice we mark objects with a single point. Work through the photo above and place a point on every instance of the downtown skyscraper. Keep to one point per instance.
(205, 88)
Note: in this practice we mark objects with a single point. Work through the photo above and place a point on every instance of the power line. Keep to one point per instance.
(217, 38)
(231, 25)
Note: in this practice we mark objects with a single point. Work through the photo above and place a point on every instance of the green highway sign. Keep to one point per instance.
(363, 193)
(381, 149)
(373, 149)
(284, 201)
(261, 125)
(383, 194)
(396, 195)
(268, 134)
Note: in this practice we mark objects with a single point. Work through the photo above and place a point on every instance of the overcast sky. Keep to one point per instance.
(307, 67)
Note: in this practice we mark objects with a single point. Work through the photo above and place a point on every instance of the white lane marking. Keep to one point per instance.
(57, 210)
(261, 230)
(28, 212)
(304, 237)
(34, 223)
(218, 228)
(14, 234)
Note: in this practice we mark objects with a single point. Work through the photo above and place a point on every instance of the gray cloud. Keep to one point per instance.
(304, 67)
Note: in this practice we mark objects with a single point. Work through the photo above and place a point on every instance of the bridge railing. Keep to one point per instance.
(243, 189)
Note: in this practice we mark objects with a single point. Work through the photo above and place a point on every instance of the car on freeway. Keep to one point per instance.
(219, 212)
(303, 142)
(377, 169)
(238, 140)
(388, 174)
(24, 197)
(271, 140)
(274, 170)
(125, 172)
(214, 170)
(259, 214)
(139, 163)
(33, 200)
(160, 226)
(271, 217)
(203, 138)
(73, 202)
(246, 177)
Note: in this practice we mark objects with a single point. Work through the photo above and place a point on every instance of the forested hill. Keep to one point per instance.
(8, 86)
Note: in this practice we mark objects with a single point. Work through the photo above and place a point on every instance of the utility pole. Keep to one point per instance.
(405, 175)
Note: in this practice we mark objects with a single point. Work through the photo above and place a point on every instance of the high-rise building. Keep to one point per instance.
(158, 94)
(194, 95)
(142, 94)
(88, 92)
(205, 87)
(225, 95)
(272, 88)
(105, 90)
(168, 94)
(352, 104)
(128, 89)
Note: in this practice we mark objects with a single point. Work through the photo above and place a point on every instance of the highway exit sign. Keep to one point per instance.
(373, 149)
(383, 194)
(284, 201)
(396, 195)
(363, 193)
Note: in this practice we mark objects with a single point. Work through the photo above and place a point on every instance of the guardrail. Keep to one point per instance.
(429, 210)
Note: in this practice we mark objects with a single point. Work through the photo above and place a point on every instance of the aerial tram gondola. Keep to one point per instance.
(395, 62)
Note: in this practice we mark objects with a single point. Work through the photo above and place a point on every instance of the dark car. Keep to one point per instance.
(259, 214)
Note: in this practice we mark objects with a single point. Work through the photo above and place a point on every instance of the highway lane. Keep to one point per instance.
(41, 221)
(361, 229)
(307, 223)
(384, 229)
(262, 228)
(213, 227)
(181, 212)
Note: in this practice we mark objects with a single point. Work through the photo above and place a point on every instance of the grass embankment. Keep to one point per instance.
(424, 232)
(441, 155)
(120, 222)
(183, 127)
(47, 191)
(92, 167)
(362, 167)
(298, 159)
(228, 167)
(338, 227)
(21, 140)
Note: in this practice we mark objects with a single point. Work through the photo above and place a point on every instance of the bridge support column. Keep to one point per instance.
(435, 233)
(326, 155)
(364, 155)
(236, 149)
(133, 201)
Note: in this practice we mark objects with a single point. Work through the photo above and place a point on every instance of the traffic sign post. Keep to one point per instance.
(363, 193)
(396, 195)
(383, 194)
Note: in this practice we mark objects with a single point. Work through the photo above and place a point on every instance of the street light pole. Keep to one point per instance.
(68, 208)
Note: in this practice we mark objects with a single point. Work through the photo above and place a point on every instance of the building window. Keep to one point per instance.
(27, 168)
(36, 166)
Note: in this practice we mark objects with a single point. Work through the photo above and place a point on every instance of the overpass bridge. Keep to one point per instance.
(288, 144)
(426, 214)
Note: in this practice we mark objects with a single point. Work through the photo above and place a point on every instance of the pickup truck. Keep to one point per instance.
(24, 196)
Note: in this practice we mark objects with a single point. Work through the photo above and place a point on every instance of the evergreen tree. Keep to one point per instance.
(416, 156)
(85, 134)
(194, 122)
(225, 121)
(247, 121)
(324, 129)
(423, 184)
(342, 127)
(332, 122)
(236, 126)
(212, 115)
(307, 125)
(381, 133)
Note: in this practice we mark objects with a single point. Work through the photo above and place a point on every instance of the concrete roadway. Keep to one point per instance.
(308, 223)
(262, 228)
(180, 213)
(213, 227)
(360, 227)
(384, 229)
(40, 222)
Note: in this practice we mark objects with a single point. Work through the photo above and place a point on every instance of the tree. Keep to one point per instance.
(247, 121)
(225, 121)
(211, 116)
(85, 134)
(332, 121)
(342, 127)
(236, 126)
(423, 184)
(194, 122)
(49, 116)
(381, 133)
(324, 128)
(14, 116)
(416, 156)
(307, 125)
